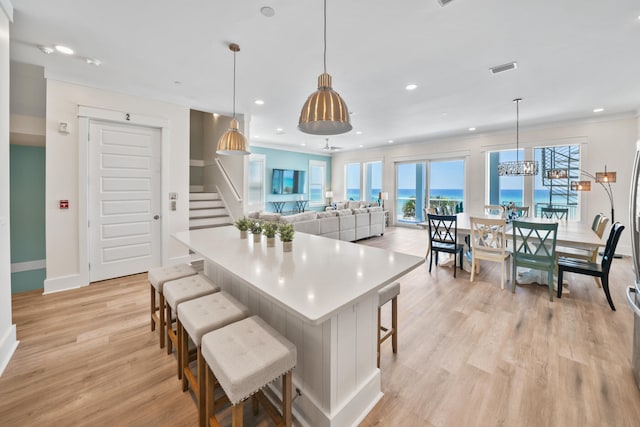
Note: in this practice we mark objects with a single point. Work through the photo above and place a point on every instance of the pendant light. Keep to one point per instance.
(518, 168)
(233, 142)
(325, 112)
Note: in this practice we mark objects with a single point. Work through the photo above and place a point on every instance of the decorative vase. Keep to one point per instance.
(287, 246)
(271, 242)
(257, 238)
(243, 234)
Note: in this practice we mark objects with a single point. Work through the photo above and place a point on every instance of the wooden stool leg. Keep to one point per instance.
(236, 415)
(286, 399)
(179, 347)
(184, 359)
(153, 307)
(162, 326)
(379, 326)
(254, 405)
(394, 324)
(200, 390)
(169, 326)
(210, 396)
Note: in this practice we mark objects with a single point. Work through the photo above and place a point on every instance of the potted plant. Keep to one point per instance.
(286, 232)
(270, 229)
(256, 230)
(243, 225)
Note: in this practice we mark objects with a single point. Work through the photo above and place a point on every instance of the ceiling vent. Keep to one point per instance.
(504, 67)
(443, 3)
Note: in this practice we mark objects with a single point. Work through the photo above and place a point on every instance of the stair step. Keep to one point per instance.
(206, 204)
(196, 188)
(197, 222)
(198, 227)
(204, 196)
(204, 213)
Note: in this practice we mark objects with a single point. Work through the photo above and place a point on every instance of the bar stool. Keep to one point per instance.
(157, 278)
(243, 358)
(197, 317)
(386, 294)
(176, 292)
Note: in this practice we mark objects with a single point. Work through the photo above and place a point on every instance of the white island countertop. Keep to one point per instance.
(315, 280)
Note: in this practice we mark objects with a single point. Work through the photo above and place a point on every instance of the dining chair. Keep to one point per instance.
(488, 242)
(591, 268)
(522, 211)
(497, 210)
(554, 213)
(589, 254)
(534, 246)
(443, 237)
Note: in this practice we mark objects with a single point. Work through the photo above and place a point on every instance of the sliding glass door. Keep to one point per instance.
(434, 185)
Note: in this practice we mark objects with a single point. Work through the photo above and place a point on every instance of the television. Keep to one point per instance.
(287, 181)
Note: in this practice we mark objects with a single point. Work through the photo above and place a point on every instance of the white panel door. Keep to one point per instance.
(124, 199)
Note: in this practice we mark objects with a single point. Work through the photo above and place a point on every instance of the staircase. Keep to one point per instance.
(207, 210)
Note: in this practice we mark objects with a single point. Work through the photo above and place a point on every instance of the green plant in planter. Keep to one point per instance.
(256, 227)
(269, 229)
(286, 232)
(243, 223)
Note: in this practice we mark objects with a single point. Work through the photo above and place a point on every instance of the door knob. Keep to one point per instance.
(156, 217)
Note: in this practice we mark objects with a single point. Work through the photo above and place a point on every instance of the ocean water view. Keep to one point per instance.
(506, 195)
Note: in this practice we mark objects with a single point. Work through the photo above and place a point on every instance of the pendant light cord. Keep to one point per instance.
(517, 129)
(325, 36)
(234, 84)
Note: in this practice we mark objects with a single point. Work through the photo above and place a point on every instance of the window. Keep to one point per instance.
(557, 193)
(446, 186)
(504, 190)
(317, 180)
(411, 191)
(372, 181)
(352, 178)
(255, 182)
(542, 191)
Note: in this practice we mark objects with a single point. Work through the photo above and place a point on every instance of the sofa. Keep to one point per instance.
(349, 224)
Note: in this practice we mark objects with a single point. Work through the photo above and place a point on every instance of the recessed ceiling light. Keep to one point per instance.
(279, 131)
(359, 132)
(97, 63)
(598, 110)
(411, 86)
(267, 11)
(64, 49)
(259, 102)
(46, 49)
(390, 141)
(303, 144)
(256, 136)
(472, 129)
(361, 145)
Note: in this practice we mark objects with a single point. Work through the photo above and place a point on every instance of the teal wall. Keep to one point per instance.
(282, 159)
(27, 198)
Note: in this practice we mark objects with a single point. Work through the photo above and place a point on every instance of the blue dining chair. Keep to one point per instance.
(534, 246)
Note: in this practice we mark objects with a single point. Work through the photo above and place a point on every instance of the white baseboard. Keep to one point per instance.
(63, 283)
(8, 345)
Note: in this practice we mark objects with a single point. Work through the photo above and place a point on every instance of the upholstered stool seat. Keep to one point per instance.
(176, 292)
(196, 317)
(386, 294)
(157, 278)
(244, 357)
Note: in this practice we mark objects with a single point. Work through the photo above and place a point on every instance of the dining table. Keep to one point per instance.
(574, 234)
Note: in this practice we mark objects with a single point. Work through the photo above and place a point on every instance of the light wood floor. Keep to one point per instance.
(470, 354)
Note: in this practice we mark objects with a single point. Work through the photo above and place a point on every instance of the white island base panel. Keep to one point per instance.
(336, 369)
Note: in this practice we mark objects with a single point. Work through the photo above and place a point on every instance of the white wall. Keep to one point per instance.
(8, 341)
(607, 140)
(62, 234)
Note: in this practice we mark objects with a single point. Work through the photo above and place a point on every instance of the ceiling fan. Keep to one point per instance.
(328, 147)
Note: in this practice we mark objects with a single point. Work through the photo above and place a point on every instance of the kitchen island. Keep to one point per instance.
(323, 297)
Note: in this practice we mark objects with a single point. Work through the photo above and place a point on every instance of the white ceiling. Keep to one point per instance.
(573, 56)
